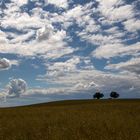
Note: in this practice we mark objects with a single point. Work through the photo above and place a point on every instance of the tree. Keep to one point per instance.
(98, 95)
(114, 94)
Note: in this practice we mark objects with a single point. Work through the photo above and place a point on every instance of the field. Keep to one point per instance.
(72, 120)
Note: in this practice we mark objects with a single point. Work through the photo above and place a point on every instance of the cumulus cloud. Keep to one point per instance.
(60, 3)
(113, 10)
(16, 87)
(16, 39)
(58, 71)
(3, 95)
(3, 37)
(20, 3)
(116, 50)
(45, 32)
(132, 25)
(132, 65)
(4, 64)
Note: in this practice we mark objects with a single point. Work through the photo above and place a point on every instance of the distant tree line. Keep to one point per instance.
(99, 95)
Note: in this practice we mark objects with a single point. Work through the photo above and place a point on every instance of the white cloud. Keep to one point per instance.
(16, 87)
(116, 50)
(113, 10)
(59, 3)
(60, 69)
(132, 25)
(82, 15)
(132, 66)
(15, 62)
(45, 32)
(4, 64)
(21, 21)
(20, 2)
(22, 38)
(3, 39)
(110, 3)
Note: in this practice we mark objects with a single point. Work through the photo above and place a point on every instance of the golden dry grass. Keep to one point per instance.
(73, 120)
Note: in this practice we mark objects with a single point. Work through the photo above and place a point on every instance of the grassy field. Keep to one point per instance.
(72, 120)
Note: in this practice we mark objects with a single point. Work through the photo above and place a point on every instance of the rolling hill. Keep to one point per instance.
(72, 120)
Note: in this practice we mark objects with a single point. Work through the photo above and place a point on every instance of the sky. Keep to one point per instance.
(68, 49)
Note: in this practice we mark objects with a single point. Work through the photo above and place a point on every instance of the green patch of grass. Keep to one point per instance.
(72, 120)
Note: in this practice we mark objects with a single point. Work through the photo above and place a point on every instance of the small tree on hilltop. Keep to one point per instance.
(98, 95)
(114, 94)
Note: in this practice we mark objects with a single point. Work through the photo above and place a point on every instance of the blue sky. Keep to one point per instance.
(66, 49)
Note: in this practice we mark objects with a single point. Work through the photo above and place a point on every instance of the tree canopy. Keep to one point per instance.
(98, 95)
(114, 94)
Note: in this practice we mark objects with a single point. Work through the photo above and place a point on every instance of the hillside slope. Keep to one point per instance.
(72, 120)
